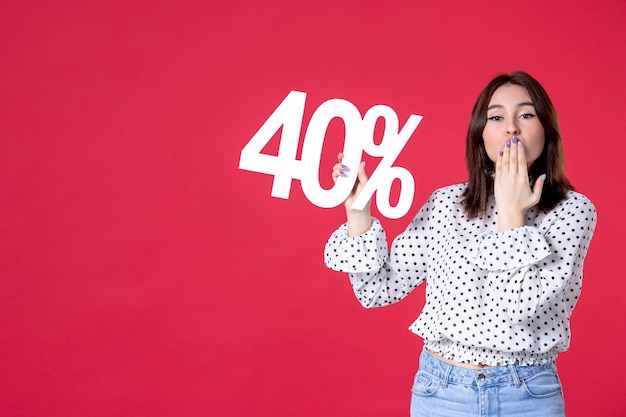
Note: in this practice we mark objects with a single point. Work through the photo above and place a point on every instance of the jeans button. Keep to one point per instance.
(481, 377)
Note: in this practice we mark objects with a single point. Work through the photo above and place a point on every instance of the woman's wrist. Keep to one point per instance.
(359, 223)
(507, 221)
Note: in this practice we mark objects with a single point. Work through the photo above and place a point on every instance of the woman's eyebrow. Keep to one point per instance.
(500, 106)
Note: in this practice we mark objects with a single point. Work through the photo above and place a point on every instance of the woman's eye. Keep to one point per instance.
(495, 118)
(527, 116)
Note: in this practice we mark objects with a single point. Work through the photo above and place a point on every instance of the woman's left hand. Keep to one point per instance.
(512, 187)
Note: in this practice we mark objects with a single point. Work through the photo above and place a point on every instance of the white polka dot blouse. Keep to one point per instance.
(492, 297)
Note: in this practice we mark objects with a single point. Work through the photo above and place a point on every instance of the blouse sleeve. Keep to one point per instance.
(532, 268)
(378, 277)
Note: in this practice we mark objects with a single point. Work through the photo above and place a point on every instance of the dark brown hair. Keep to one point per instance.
(550, 162)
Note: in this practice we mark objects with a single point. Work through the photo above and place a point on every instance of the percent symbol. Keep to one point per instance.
(381, 180)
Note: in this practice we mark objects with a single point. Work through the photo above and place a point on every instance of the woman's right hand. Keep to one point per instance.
(359, 221)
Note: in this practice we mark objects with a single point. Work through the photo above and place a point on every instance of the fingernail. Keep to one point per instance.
(363, 164)
(543, 177)
(508, 144)
(344, 167)
(519, 144)
(514, 139)
(501, 153)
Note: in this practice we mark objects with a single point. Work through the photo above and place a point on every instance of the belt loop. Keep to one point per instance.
(447, 375)
(516, 378)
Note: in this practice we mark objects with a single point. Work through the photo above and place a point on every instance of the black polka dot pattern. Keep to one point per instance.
(492, 297)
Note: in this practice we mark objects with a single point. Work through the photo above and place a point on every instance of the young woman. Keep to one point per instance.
(502, 255)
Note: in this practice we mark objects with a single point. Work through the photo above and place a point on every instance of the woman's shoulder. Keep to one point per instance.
(575, 202)
(574, 198)
(575, 206)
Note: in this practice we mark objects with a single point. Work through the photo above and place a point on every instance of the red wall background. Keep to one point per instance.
(144, 274)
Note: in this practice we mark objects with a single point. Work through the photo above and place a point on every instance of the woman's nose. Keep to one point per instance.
(512, 129)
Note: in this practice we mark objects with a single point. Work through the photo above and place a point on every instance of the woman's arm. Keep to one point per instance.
(379, 278)
(533, 269)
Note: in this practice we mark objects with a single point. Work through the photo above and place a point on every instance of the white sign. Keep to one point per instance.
(359, 138)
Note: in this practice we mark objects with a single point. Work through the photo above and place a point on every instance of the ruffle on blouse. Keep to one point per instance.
(345, 254)
(514, 248)
(483, 356)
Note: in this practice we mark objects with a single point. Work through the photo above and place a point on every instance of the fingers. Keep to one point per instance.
(499, 163)
(506, 157)
(339, 170)
(513, 155)
(512, 159)
(517, 157)
(521, 157)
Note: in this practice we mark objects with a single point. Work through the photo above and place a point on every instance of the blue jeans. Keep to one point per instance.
(442, 389)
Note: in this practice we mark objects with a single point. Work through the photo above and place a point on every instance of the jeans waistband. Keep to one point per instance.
(497, 375)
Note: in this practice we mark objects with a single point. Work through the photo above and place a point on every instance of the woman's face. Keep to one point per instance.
(512, 113)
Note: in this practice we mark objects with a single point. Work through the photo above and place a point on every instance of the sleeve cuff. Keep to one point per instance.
(364, 253)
